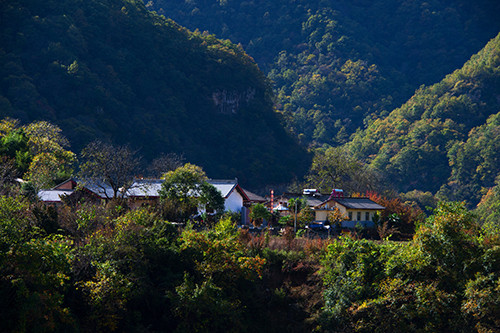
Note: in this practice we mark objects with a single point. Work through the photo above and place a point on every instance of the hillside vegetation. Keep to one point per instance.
(447, 133)
(101, 266)
(113, 70)
(335, 64)
(93, 268)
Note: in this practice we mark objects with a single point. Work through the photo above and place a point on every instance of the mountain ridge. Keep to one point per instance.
(335, 64)
(115, 71)
(417, 144)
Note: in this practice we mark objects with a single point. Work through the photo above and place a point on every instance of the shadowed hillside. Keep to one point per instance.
(113, 70)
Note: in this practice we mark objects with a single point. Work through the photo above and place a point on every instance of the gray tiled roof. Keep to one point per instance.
(225, 187)
(139, 188)
(103, 190)
(53, 195)
(312, 202)
(145, 188)
(358, 203)
(254, 197)
(152, 187)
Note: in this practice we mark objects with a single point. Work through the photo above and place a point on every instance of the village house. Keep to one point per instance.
(146, 191)
(252, 199)
(353, 210)
(233, 194)
(69, 189)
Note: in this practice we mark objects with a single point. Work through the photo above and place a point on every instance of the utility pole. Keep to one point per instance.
(295, 220)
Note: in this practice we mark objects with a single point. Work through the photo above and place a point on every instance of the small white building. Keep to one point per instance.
(233, 194)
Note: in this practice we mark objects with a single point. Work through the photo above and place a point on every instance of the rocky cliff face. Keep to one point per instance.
(229, 102)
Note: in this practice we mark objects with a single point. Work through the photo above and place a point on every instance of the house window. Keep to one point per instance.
(359, 216)
(350, 216)
(367, 216)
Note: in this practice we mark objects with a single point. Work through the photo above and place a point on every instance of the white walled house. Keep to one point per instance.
(233, 195)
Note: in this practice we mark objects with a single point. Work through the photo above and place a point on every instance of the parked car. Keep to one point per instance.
(317, 226)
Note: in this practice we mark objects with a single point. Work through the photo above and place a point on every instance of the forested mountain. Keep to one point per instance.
(113, 70)
(344, 72)
(447, 133)
(336, 63)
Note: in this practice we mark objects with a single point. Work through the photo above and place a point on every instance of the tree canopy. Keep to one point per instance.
(38, 151)
(181, 184)
(104, 164)
(187, 191)
(337, 168)
(259, 213)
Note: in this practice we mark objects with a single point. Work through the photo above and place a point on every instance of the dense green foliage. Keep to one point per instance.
(95, 268)
(107, 269)
(113, 70)
(447, 132)
(37, 152)
(336, 168)
(259, 213)
(185, 191)
(445, 280)
(488, 209)
(475, 163)
(335, 63)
